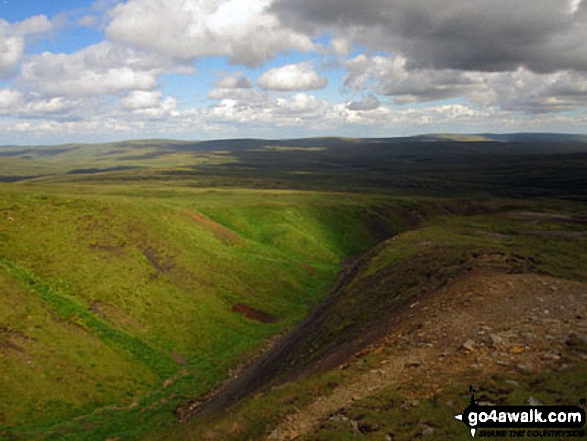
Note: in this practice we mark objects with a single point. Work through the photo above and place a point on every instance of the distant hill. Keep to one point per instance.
(510, 165)
(537, 137)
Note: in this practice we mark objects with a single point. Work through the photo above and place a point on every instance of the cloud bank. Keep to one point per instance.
(197, 68)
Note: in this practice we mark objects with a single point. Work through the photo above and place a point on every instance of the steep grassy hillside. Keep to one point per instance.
(396, 276)
(120, 303)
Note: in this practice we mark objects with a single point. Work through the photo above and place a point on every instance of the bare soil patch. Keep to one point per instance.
(223, 234)
(254, 314)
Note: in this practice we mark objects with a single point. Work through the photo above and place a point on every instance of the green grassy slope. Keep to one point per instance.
(120, 264)
(398, 271)
(117, 305)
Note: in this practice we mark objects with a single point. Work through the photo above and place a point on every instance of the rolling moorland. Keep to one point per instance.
(320, 288)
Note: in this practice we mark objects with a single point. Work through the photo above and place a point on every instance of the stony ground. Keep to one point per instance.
(483, 323)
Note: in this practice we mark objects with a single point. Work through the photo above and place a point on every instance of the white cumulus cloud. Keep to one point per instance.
(104, 68)
(574, 6)
(521, 90)
(370, 102)
(242, 30)
(301, 76)
(12, 41)
(8, 101)
(233, 81)
(149, 105)
(141, 99)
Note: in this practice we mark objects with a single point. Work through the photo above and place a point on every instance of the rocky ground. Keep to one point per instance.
(483, 323)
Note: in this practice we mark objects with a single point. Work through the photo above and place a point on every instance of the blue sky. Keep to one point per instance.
(87, 71)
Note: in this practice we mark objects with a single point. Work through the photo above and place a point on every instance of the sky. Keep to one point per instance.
(106, 70)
